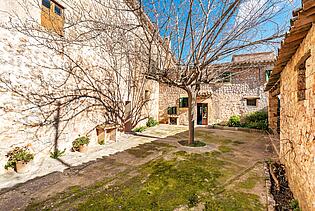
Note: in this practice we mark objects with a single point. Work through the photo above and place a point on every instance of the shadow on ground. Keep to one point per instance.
(227, 174)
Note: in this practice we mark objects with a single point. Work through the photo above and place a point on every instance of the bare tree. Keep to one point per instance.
(109, 49)
(201, 33)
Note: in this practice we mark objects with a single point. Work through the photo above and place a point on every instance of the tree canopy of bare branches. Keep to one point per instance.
(202, 33)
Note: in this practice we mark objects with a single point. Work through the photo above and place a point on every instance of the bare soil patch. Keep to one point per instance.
(281, 191)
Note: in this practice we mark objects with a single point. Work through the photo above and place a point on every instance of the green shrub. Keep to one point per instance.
(294, 205)
(140, 129)
(256, 120)
(83, 140)
(152, 122)
(256, 116)
(234, 121)
(56, 154)
(18, 154)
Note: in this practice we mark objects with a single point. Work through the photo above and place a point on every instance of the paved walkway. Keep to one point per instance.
(48, 165)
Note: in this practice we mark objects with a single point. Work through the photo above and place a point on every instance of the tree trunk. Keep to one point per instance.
(192, 98)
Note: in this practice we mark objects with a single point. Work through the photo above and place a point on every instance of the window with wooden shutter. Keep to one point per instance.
(52, 16)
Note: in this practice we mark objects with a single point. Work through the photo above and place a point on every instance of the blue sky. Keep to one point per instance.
(283, 18)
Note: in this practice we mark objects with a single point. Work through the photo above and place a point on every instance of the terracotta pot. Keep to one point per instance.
(83, 148)
(20, 166)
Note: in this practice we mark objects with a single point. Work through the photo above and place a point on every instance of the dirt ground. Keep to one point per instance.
(230, 167)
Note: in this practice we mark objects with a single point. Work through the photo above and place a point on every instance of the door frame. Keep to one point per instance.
(204, 115)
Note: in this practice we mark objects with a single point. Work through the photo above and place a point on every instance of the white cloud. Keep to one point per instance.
(250, 9)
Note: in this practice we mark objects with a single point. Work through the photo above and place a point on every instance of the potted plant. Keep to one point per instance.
(18, 158)
(80, 144)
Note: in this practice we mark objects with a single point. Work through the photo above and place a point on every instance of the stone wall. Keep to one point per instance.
(223, 99)
(230, 99)
(263, 56)
(169, 97)
(20, 59)
(297, 135)
(29, 66)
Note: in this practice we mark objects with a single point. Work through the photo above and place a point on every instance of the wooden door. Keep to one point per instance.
(202, 114)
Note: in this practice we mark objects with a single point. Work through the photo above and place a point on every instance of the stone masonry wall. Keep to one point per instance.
(228, 100)
(19, 60)
(297, 135)
(223, 99)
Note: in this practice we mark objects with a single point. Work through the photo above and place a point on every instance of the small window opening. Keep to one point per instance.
(267, 76)
(173, 121)
(146, 95)
(251, 102)
(301, 82)
(58, 10)
(301, 76)
(46, 3)
(172, 110)
(226, 77)
(183, 102)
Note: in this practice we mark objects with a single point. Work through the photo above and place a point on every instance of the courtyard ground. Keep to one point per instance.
(227, 174)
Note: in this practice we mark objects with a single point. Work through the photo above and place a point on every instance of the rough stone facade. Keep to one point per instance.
(297, 122)
(225, 99)
(292, 81)
(19, 60)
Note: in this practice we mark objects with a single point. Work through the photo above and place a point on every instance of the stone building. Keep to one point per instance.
(238, 90)
(43, 44)
(292, 101)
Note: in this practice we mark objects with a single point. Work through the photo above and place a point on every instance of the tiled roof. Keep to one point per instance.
(301, 23)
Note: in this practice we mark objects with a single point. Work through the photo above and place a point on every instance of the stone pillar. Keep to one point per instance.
(272, 112)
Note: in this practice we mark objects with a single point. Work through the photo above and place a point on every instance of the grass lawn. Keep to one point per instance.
(227, 177)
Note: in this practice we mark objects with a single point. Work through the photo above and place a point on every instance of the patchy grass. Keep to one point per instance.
(186, 179)
(249, 183)
(235, 201)
(139, 129)
(195, 144)
(147, 149)
(224, 148)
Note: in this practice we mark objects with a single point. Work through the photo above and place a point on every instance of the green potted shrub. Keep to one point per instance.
(81, 144)
(18, 159)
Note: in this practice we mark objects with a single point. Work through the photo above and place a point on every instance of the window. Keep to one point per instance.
(226, 77)
(301, 76)
(58, 10)
(146, 95)
(52, 17)
(172, 110)
(251, 102)
(301, 82)
(46, 3)
(267, 76)
(183, 102)
(173, 120)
